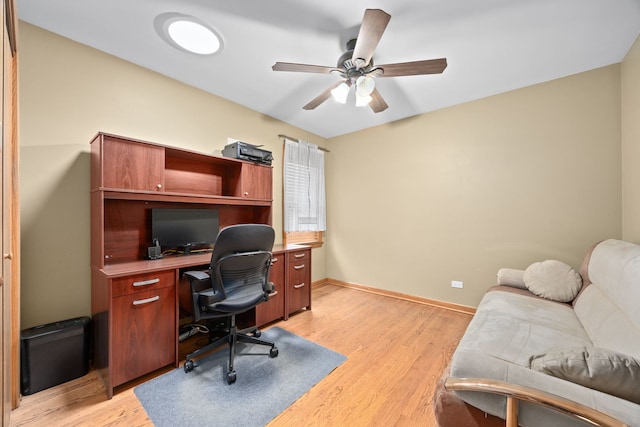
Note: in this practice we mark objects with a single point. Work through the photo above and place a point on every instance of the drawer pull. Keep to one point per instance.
(298, 255)
(298, 267)
(301, 285)
(274, 260)
(146, 300)
(273, 294)
(146, 282)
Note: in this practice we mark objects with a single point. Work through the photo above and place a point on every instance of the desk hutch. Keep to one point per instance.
(135, 301)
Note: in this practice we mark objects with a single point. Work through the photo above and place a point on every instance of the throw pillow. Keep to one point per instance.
(597, 368)
(553, 280)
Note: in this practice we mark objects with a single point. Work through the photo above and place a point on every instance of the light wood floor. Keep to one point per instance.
(395, 349)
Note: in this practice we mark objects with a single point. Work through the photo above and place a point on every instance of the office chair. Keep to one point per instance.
(237, 282)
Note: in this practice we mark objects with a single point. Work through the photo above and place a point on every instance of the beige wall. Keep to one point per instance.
(631, 144)
(455, 194)
(68, 92)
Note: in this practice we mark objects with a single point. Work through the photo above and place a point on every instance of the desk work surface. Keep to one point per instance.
(173, 261)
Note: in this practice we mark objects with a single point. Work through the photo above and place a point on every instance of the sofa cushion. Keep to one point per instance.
(597, 368)
(513, 327)
(608, 308)
(506, 331)
(553, 280)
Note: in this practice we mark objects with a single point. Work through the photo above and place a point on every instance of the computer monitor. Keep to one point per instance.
(184, 229)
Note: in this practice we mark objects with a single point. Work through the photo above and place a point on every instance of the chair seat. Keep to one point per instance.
(236, 305)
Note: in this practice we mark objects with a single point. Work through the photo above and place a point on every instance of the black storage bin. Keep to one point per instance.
(54, 353)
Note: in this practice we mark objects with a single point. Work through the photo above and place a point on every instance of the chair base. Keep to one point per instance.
(232, 338)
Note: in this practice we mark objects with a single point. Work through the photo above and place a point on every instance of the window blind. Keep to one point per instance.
(304, 192)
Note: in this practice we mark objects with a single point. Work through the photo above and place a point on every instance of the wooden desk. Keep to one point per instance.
(136, 308)
(134, 301)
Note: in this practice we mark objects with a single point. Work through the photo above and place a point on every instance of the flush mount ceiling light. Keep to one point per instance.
(188, 33)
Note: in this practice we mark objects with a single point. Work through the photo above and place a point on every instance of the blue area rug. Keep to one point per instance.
(264, 388)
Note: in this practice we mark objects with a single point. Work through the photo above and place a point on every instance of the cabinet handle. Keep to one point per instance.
(273, 294)
(274, 260)
(146, 300)
(146, 282)
(246, 193)
(298, 267)
(159, 186)
(298, 255)
(301, 285)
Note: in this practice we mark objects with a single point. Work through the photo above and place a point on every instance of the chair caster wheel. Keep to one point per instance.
(231, 377)
(273, 352)
(188, 366)
(257, 333)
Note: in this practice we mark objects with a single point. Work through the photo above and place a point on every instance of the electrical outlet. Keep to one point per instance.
(456, 284)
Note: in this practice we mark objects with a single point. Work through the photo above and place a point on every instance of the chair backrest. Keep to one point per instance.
(242, 238)
(239, 257)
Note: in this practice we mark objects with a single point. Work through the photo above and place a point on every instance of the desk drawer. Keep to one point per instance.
(143, 282)
(144, 333)
(299, 274)
(299, 280)
(297, 257)
(299, 267)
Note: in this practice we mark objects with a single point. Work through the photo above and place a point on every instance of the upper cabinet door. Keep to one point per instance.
(256, 181)
(132, 166)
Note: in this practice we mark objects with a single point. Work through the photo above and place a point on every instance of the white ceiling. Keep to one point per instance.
(491, 46)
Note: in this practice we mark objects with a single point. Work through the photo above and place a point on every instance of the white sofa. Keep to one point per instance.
(554, 347)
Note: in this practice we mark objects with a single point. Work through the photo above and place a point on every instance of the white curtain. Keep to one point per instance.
(304, 199)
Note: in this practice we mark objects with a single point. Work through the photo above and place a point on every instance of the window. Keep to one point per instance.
(304, 193)
(311, 238)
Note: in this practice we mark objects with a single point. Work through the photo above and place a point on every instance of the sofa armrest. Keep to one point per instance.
(515, 393)
(511, 277)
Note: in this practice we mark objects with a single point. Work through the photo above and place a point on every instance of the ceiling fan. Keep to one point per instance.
(356, 68)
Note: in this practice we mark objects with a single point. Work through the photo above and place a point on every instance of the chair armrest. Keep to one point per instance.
(196, 275)
(269, 287)
(514, 393)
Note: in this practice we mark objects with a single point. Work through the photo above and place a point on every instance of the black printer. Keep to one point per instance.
(243, 151)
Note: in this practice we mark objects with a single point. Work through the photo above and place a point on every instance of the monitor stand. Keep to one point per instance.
(186, 249)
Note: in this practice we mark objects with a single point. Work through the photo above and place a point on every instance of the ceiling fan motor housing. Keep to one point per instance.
(346, 63)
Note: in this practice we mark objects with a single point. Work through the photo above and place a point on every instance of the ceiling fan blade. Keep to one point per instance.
(428, 66)
(377, 103)
(303, 68)
(373, 25)
(326, 94)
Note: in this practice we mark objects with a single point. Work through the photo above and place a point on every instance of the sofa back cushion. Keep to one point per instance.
(608, 308)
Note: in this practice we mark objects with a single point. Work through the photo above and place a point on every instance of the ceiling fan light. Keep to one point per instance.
(340, 93)
(365, 85)
(362, 101)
